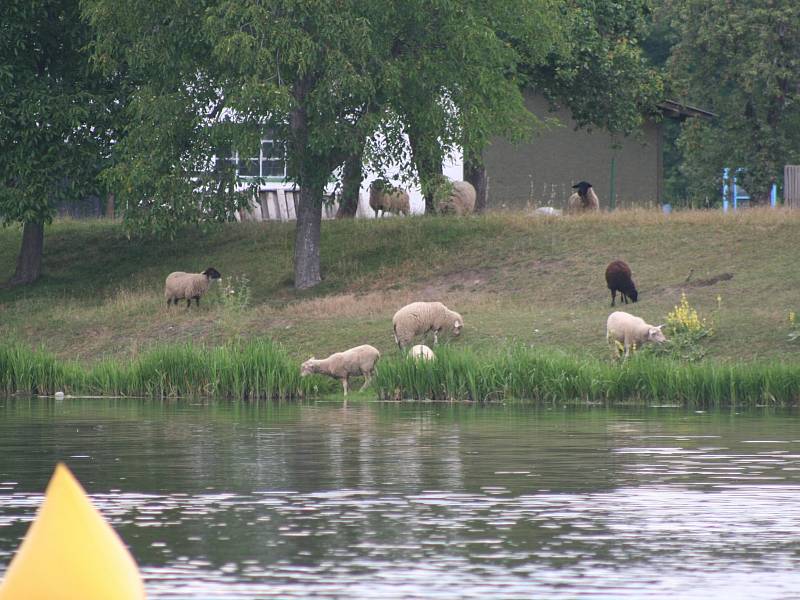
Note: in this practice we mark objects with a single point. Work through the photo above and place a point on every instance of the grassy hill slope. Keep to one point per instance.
(514, 278)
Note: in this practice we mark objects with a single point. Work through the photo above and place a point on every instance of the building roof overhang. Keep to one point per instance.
(676, 110)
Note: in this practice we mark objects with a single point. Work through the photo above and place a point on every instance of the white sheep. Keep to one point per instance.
(418, 318)
(384, 197)
(459, 199)
(623, 328)
(421, 352)
(548, 211)
(584, 200)
(343, 365)
(188, 286)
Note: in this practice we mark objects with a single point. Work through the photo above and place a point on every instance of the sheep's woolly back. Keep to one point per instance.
(421, 352)
(419, 318)
(618, 277)
(182, 286)
(461, 200)
(386, 198)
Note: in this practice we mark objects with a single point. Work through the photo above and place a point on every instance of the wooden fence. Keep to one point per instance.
(791, 186)
(281, 205)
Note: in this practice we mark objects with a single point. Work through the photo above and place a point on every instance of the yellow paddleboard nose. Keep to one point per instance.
(70, 552)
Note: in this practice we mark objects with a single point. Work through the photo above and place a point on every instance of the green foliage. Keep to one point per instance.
(526, 374)
(256, 369)
(740, 60)
(56, 115)
(599, 71)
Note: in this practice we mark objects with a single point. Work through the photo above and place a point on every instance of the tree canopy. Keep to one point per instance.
(742, 61)
(323, 76)
(56, 118)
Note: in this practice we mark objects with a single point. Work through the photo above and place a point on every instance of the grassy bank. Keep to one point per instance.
(261, 370)
(252, 370)
(516, 279)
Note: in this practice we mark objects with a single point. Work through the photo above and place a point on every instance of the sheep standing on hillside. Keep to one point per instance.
(188, 286)
(418, 318)
(343, 365)
(421, 352)
(384, 197)
(618, 278)
(458, 197)
(584, 200)
(623, 328)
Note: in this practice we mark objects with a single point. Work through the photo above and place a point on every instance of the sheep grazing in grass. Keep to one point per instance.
(421, 352)
(384, 197)
(548, 211)
(457, 197)
(343, 365)
(584, 200)
(623, 329)
(418, 318)
(618, 278)
(188, 286)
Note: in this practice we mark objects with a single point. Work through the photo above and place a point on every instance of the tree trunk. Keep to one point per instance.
(475, 173)
(110, 202)
(307, 238)
(29, 261)
(351, 186)
(427, 158)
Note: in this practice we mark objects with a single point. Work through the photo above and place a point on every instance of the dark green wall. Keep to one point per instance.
(541, 173)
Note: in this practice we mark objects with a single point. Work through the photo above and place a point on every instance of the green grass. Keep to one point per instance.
(524, 373)
(516, 279)
(252, 370)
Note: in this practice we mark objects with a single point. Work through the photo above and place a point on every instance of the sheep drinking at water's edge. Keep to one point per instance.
(618, 278)
(418, 318)
(188, 286)
(343, 365)
(584, 200)
(384, 197)
(630, 331)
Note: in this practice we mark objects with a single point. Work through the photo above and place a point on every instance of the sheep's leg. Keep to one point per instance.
(169, 302)
(344, 385)
(188, 302)
(367, 379)
(624, 297)
(197, 301)
(613, 297)
(435, 336)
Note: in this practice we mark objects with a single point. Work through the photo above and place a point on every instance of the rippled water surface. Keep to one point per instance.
(223, 500)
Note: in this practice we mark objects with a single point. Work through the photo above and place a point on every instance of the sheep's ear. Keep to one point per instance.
(660, 326)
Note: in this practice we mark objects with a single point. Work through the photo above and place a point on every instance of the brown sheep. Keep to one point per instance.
(618, 278)
(584, 200)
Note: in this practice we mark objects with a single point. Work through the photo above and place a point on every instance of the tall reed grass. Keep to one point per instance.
(261, 369)
(526, 374)
(255, 369)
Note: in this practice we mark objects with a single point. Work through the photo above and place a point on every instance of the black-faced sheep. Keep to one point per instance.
(343, 365)
(384, 197)
(188, 286)
(618, 278)
(629, 331)
(418, 318)
(584, 200)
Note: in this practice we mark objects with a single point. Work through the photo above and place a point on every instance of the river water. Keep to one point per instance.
(222, 500)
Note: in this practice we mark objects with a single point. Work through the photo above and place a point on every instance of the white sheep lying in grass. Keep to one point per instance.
(384, 197)
(624, 329)
(418, 318)
(188, 286)
(421, 352)
(343, 365)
